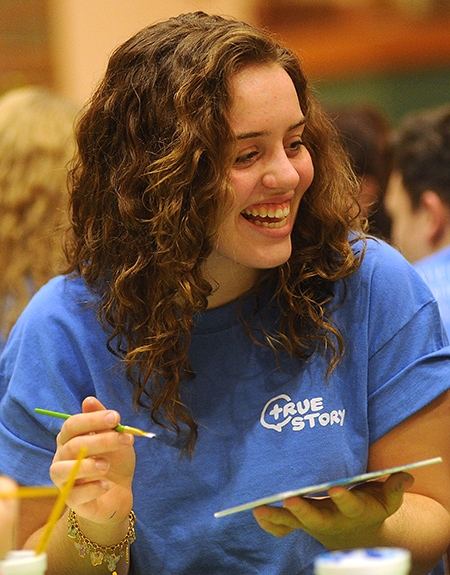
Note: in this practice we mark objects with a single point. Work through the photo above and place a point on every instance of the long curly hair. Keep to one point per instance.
(36, 143)
(155, 151)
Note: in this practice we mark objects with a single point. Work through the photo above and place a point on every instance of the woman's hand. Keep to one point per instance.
(102, 493)
(347, 518)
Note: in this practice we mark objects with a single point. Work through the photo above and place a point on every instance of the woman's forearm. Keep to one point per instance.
(421, 525)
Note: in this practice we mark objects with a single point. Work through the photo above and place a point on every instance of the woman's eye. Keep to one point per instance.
(295, 147)
(245, 158)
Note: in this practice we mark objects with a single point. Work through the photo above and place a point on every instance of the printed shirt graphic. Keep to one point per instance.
(281, 411)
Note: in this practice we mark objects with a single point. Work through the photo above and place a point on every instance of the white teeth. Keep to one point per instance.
(269, 212)
(269, 224)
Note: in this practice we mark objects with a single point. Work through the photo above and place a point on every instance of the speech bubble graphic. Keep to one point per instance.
(276, 410)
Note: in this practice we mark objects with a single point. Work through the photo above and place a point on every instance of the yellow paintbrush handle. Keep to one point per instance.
(30, 492)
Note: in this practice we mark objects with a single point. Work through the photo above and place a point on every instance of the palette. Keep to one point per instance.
(322, 488)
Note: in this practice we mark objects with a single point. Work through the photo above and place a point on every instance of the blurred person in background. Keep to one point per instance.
(8, 515)
(366, 136)
(36, 144)
(418, 199)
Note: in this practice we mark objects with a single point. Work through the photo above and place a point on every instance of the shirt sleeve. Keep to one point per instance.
(409, 357)
(43, 365)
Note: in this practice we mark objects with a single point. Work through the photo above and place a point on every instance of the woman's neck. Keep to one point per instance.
(229, 282)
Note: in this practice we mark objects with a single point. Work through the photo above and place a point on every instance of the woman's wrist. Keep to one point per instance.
(102, 549)
(106, 532)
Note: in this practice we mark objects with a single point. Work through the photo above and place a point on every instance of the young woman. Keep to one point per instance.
(221, 294)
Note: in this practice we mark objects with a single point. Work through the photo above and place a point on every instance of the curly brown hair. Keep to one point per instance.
(155, 151)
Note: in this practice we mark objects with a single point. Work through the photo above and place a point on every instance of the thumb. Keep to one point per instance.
(91, 404)
(394, 488)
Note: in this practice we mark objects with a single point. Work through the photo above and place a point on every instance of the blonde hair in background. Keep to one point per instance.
(36, 146)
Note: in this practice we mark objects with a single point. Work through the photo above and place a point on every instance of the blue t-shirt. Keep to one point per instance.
(435, 270)
(265, 424)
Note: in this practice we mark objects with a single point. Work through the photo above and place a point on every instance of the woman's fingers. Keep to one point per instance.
(94, 418)
(276, 520)
(85, 492)
(387, 494)
(91, 403)
(91, 469)
(344, 509)
(106, 444)
(394, 489)
(88, 423)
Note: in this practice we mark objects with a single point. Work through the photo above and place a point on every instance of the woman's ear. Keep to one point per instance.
(437, 217)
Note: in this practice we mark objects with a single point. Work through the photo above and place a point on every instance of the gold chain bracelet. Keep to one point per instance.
(99, 553)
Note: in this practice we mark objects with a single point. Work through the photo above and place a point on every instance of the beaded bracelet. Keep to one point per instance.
(97, 553)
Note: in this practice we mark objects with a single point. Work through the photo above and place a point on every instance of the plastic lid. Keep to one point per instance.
(374, 561)
(24, 562)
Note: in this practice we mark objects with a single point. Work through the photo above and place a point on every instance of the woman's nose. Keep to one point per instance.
(280, 173)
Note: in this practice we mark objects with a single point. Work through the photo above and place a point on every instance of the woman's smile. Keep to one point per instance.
(268, 215)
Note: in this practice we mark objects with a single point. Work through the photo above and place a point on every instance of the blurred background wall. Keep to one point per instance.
(393, 53)
(65, 44)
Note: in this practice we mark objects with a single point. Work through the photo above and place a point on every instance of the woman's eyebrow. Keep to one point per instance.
(248, 135)
(302, 122)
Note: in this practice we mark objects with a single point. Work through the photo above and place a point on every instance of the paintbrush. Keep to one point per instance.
(120, 428)
(60, 503)
(29, 492)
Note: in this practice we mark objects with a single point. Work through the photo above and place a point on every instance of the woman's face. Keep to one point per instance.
(271, 172)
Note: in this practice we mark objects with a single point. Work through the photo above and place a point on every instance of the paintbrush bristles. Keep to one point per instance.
(138, 432)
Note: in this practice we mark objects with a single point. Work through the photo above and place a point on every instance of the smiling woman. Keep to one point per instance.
(222, 294)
